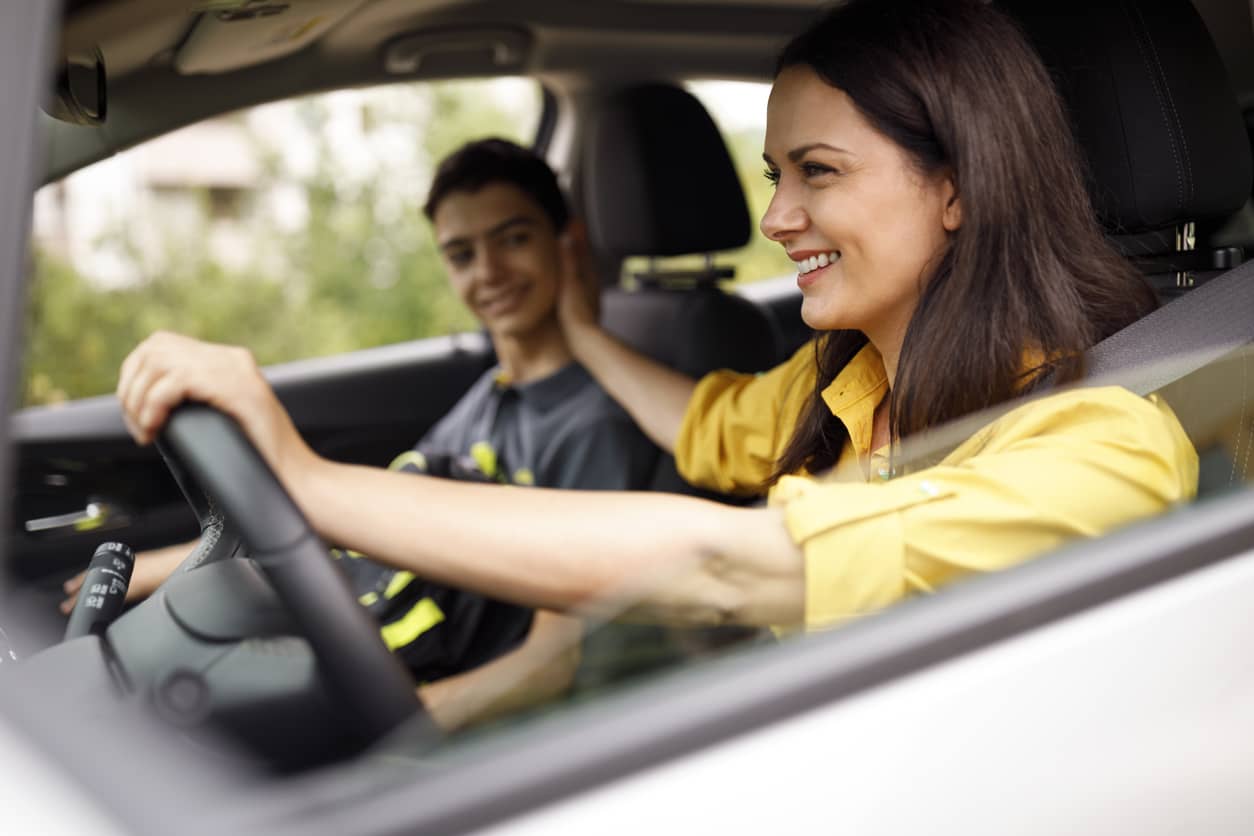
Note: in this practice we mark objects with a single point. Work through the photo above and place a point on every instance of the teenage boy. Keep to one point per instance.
(537, 418)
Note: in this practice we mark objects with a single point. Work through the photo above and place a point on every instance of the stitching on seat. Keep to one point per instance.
(1171, 138)
(1184, 141)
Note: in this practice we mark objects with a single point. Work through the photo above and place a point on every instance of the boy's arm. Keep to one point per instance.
(606, 454)
(536, 671)
(151, 568)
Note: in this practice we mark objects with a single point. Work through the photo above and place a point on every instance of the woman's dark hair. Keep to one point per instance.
(484, 161)
(1029, 273)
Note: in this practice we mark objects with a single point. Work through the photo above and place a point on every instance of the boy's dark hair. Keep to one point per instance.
(484, 161)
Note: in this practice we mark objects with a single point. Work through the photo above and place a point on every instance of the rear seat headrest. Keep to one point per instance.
(1152, 107)
(657, 178)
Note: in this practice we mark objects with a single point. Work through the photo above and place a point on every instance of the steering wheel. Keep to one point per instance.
(240, 502)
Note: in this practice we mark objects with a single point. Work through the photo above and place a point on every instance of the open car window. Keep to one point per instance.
(1213, 400)
(293, 228)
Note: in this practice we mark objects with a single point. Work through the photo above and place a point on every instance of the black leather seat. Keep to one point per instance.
(1154, 112)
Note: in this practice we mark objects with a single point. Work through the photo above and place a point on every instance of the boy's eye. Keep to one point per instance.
(517, 239)
(459, 258)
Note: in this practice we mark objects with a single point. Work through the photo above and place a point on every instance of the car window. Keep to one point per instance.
(294, 228)
(738, 109)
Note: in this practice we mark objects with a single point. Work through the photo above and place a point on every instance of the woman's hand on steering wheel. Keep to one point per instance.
(167, 369)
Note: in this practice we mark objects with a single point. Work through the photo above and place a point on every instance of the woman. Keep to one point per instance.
(929, 190)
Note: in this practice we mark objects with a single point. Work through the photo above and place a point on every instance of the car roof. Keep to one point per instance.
(153, 50)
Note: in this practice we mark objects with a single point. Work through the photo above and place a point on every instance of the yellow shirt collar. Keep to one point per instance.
(855, 393)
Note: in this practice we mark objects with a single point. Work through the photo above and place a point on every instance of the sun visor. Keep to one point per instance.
(242, 33)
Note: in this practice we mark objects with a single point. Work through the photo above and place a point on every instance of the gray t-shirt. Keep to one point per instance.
(562, 431)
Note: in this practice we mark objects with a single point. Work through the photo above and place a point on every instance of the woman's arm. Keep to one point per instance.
(654, 395)
(679, 559)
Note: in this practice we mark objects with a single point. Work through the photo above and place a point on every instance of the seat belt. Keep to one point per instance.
(1208, 322)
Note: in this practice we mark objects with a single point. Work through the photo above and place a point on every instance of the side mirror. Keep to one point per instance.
(80, 95)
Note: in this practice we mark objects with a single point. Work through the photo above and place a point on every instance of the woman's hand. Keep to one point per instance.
(579, 298)
(654, 395)
(167, 369)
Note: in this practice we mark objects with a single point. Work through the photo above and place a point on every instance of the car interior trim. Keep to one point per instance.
(20, 54)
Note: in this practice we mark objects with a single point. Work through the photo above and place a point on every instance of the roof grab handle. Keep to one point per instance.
(441, 48)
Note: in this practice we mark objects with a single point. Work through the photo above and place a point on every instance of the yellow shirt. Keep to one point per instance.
(1077, 463)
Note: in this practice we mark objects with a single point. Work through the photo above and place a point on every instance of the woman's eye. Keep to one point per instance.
(816, 170)
(459, 258)
(518, 239)
(772, 176)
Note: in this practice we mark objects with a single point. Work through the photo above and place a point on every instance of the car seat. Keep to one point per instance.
(657, 180)
(1167, 150)
(1155, 115)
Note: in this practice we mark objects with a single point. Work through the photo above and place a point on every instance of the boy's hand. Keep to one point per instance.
(151, 568)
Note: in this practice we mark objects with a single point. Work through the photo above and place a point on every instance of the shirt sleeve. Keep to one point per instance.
(736, 425)
(1075, 465)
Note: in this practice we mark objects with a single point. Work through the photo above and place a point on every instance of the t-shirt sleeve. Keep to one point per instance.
(1067, 467)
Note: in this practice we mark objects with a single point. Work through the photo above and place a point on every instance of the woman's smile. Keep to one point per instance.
(810, 265)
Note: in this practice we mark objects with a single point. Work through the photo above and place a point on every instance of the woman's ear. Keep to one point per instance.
(951, 216)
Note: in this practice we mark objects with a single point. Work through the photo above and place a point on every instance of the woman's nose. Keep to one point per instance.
(784, 217)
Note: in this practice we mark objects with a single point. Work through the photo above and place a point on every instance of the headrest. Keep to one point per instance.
(1151, 104)
(657, 178)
